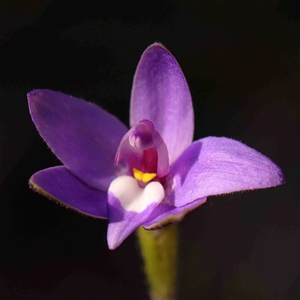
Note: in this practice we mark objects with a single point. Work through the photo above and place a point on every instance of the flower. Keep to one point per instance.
(152, 174)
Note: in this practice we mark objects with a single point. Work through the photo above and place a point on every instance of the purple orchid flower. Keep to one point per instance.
(152, 174)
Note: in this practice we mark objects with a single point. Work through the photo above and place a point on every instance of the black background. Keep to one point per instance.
(241, 61)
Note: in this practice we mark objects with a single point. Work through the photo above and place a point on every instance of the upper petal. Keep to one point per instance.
(81, 134)
(213, 166)
(61, 185)
(160, 94)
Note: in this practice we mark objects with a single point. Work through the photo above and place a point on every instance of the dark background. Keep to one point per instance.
(241, 61)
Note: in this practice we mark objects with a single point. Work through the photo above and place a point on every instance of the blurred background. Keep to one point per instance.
(241, 61)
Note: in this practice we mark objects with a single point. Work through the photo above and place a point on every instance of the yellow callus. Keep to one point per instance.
(141, 176)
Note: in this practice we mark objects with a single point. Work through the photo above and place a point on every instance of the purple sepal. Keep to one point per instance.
(81, 134)
(121, 222)
(215, 166)
(143, 148)
(59, 184)
(160, 94)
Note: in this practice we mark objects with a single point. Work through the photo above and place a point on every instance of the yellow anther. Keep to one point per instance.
(148, 177)
(138, 174)
(141, 176)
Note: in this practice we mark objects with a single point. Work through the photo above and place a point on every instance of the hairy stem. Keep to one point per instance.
(159, 252)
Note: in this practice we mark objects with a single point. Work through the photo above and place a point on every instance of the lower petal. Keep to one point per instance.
(214, 166)
(129, 206)
(60, 185)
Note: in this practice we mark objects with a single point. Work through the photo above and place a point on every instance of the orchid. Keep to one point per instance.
(150, 175)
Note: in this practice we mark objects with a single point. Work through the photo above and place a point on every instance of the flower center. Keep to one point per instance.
(145, 153)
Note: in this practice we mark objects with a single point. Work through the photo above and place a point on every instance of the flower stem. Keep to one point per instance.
(159, 251)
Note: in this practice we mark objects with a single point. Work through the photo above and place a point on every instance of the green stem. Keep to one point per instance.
(159, 251)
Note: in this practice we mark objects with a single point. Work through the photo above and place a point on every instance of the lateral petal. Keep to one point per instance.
(217, 165)
(82, 135)
(60, 185)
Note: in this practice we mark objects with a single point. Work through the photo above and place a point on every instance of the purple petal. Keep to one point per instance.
(61, 185)
(143, 148)
(213, 166)
(160, 94)
(121, 222)
(81, 134)
(165, 214)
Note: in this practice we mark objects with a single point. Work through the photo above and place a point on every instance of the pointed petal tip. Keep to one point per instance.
(158, 48)
(31, 98)
(278, 176)
(113, 245)
(34, 94)
(35, 98)
(31, 94)
(115, 238)
(156, 45)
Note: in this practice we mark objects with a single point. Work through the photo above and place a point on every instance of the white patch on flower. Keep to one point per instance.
(134, 198)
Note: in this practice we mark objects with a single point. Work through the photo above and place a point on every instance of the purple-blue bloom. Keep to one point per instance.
(150, 175)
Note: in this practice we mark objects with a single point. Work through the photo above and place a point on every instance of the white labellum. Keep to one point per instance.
(134, 198)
